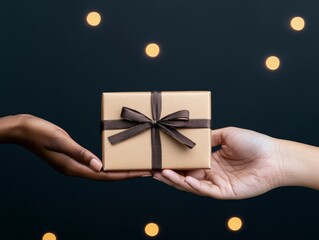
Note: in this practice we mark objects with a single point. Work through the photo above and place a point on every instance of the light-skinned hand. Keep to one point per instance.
(246, 165)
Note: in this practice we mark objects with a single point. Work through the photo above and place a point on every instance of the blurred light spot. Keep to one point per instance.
(151, 229)
(93, 18)
(49, 236)
(297, 23)
(152, 50)
(234, 223)
(272, 63)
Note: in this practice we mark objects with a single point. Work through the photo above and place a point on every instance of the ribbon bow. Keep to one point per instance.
(167, 124)
(137, 122)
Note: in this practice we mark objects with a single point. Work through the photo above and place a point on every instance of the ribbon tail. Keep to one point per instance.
(177, 136)
(131, 132)
(116, 124)
(156, 149)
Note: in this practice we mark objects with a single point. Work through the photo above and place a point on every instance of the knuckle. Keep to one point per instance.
(230, 131)
(25, 120)
(24, 116)
(59, 133)
(231, 128)
(80, 154)
(58, 139)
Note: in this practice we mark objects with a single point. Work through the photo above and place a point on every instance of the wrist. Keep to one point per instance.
(11, 128)
(299, 164)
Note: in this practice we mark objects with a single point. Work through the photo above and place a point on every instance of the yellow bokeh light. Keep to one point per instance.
(93, 18)
(151, 229)
(152, 50)
(49, 236)
(272, 63)
(234, 223)
(297, 23)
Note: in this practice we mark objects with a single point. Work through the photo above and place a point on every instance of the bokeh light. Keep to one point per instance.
(234, 224)
(151, 229)
(297, 23)
(93, 18)
(49, 236)
(272, 63)
(152, 50)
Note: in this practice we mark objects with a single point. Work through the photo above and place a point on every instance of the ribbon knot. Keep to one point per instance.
(136, 123)
(154, 123)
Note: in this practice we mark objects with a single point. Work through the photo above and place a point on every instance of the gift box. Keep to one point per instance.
(156, 130)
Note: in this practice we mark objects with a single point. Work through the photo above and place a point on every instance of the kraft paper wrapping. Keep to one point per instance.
(135, 153)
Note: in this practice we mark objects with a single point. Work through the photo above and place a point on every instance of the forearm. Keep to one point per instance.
(300, 164)
(10, 128)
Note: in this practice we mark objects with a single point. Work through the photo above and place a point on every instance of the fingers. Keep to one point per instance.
(161, 178)
(65, 144)
(189, 184)
(70, 167)
(176, 180)
(112, 176)
(84, 156)
(204, 188)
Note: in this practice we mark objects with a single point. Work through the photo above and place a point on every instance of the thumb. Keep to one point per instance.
(217, 137)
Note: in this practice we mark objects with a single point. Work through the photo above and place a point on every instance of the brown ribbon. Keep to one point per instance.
(136, 122)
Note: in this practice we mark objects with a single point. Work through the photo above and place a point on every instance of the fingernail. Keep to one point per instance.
(156, 178)
(96, 164)
(189, 179)
(147, 175)
(166, 172)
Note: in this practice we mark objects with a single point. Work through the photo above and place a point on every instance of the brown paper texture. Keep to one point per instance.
(135, 153)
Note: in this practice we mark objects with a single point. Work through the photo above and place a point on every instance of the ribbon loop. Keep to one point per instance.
(133, 115)
(182, 115)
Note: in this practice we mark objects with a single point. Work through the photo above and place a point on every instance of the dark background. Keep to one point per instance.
(53, 65)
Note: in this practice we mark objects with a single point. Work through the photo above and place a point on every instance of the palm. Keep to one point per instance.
(245, 166)
(236, 178)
